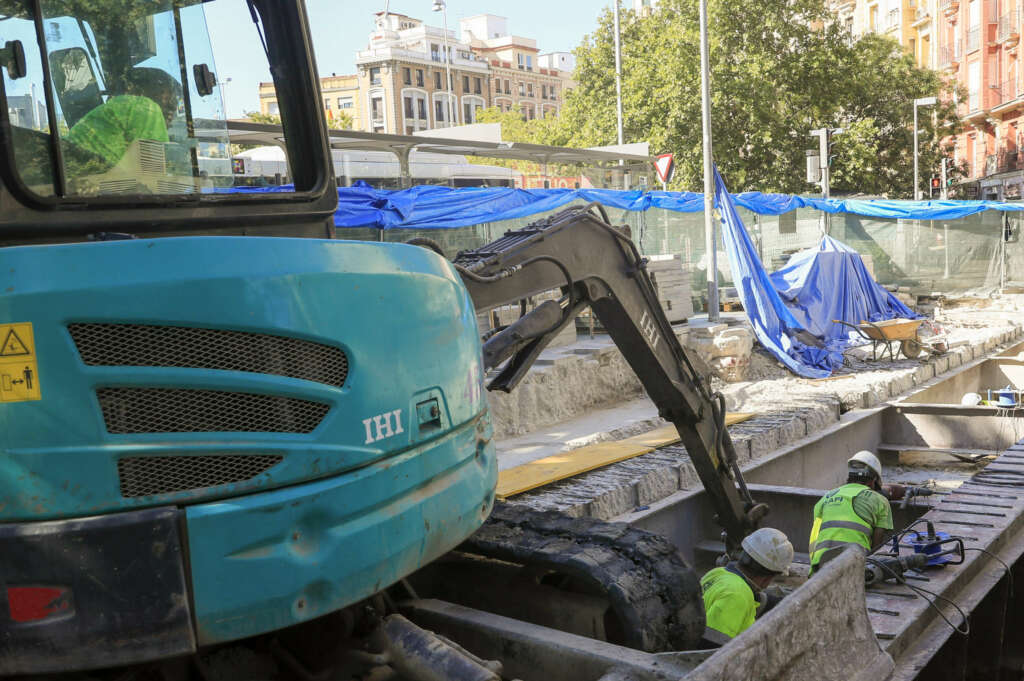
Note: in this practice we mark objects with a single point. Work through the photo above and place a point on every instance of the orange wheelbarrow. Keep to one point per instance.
(901, 333)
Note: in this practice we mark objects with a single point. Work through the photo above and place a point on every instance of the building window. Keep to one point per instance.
(421, 106)
(520, 62)
(554, 92)
(543, 91)
(410, 108)
(375, 75)
(406, 75)
(377, 109)
(327, 104)
(529, 89)
(465, 84)
(470, 106)
(437, 80)
(439, 113)
(344, 102)
(529, 62)
(477, 89)
(273, 109)
(522, 89)
(497, 86)
(435, 52)
(419, 77)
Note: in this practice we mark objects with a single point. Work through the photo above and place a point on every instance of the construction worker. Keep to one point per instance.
(856, 514)
(735, 594)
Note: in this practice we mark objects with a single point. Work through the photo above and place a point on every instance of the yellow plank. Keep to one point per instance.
(550, 469)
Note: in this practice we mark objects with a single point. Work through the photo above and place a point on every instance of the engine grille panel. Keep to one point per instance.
(195, 348)
(179, 410)
(143, 476)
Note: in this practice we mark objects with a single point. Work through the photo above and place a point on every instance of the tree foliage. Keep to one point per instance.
(780, 68)
(340, 120)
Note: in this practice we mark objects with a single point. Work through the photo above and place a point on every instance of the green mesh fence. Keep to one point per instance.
(980, 253)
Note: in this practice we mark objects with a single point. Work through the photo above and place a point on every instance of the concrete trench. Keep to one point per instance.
(830, 626)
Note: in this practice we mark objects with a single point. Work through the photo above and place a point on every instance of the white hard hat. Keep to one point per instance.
(770, 548)
(971, 399)
(866, 458)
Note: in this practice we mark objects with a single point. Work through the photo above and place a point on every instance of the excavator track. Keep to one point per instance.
(652, 591)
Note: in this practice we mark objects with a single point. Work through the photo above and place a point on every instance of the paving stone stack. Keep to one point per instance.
(672, 283)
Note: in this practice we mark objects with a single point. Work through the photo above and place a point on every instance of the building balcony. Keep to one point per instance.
(378, 54)
(892, 20)
(973, 39)
(950, 55)
(1005, 161)
(1009, 28)
(949, 7)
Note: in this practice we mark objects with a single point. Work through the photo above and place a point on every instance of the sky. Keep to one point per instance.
(341, 27)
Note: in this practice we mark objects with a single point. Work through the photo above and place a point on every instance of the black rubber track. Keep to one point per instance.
(653, 592)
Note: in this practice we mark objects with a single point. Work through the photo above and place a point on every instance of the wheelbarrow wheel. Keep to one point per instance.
(911, 348)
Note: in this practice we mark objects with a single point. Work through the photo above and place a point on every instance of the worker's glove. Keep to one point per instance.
(894, 492)
(769, 598)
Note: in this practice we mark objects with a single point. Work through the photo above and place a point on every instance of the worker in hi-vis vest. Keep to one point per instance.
(735, 595)
(856, 514)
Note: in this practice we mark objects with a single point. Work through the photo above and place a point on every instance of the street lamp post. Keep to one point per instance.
(442, 7)
(710, 238)
(224, 96)
(824, 136)
(618, 73)
(923, 101)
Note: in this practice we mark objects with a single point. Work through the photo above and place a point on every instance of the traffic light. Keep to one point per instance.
(936, 183)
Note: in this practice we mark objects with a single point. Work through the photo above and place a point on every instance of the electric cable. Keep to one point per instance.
(1009, 573)
(920, 590)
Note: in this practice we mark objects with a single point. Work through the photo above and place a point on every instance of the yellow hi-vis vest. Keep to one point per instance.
(729, 605)
(840, 525)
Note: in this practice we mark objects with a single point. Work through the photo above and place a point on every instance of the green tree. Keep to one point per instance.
(780, 68)
(266, 119)
(340, 120)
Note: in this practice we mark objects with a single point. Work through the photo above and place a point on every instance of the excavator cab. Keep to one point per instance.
(120, 105)
(216, 420)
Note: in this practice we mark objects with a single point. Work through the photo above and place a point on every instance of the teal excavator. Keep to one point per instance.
(216, 419)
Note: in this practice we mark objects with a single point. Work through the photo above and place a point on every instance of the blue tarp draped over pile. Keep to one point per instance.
(832, 282)
(432, 207)
(801, 300)
(774, 324)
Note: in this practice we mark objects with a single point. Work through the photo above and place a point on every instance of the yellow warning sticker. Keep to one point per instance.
(19, 371)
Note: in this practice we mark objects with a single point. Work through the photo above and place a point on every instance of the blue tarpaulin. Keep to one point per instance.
(774, 324)
(433, 207)
(832, 282)
(792, 310)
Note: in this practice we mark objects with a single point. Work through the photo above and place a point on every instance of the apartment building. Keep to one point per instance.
(909, 22)
(523, 79)
(980, 47)
(644, 8)
(340, 95)
(975, 43)
(403, 78)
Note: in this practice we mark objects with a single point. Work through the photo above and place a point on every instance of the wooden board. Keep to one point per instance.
(550, 469)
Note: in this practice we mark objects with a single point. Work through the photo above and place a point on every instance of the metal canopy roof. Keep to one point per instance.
(258, 133)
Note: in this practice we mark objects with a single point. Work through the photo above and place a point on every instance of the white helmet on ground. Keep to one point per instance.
(865, 459)
(770, 549)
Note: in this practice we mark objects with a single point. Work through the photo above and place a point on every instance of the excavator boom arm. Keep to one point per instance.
(598, 265)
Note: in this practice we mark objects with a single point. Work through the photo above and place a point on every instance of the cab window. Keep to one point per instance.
(120, 98)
